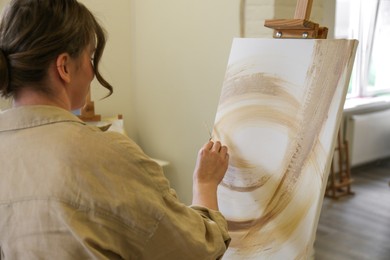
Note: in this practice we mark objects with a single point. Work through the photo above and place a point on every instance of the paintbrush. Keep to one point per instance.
(208, 130)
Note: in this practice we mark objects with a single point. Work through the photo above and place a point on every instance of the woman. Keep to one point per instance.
(69, 190)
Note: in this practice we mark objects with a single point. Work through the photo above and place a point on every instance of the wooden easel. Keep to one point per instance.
(88, 114)
(339, 183)
(299, 27)
(88, 111)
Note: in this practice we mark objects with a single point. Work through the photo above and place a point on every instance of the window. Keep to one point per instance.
(369, 22)
(379, 64)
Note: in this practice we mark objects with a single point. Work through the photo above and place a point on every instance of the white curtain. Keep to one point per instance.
(355, 19)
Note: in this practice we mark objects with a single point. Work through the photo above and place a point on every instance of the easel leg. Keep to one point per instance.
(340, 186)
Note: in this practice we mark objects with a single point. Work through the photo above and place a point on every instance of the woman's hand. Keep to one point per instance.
(211, 166)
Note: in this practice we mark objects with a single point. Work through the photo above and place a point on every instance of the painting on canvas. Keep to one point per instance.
(279, 113)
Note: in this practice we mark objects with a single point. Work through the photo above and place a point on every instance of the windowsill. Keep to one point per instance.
(367, 104)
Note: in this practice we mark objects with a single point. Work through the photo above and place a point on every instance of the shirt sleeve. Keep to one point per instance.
(188, 233)
(182, 232)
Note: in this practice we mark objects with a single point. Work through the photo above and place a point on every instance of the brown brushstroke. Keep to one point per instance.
(236, 89)
(320, 85)
(314, 113)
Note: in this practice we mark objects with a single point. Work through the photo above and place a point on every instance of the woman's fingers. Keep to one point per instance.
(216, 146)
(208, 145)
(224, 150)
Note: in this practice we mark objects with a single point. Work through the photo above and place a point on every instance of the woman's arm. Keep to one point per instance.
(211, 166)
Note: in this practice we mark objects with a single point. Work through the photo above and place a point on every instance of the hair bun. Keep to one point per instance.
(4, 74)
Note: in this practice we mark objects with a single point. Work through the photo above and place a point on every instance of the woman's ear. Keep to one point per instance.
(62, 64)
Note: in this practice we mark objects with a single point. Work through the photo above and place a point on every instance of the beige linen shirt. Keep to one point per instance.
(71, 191)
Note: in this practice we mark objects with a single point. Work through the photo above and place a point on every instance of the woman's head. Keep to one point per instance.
(32, 35)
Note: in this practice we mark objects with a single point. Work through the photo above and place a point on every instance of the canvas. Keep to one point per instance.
(279, 114)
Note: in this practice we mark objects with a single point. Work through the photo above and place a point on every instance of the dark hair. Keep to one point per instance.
(34, 32)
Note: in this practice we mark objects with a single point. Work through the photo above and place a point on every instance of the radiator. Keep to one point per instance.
(368, 136)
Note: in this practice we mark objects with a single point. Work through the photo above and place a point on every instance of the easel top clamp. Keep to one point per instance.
(300, 27)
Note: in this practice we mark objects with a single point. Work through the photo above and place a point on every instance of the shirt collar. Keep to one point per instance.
(32, 116)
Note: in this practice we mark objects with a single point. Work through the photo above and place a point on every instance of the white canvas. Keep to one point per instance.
(279, 114)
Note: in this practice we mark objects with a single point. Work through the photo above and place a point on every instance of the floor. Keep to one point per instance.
(358, 226)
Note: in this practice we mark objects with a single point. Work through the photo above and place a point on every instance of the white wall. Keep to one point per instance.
(182, 48)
